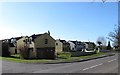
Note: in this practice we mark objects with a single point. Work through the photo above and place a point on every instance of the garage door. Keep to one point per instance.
(45, 53)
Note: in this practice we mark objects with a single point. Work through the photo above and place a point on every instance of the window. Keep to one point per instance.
(56, 43)
(26, 41)
(23, 40)
(46, 41)
(30, 41)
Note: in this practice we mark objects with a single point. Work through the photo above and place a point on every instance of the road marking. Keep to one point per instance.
(112, 60)
(92, 66)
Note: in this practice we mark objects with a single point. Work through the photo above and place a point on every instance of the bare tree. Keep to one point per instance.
(115, 35)
(101, 41)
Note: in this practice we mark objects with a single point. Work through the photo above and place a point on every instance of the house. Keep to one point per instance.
(25, 44)
(76, 45)
(11, 48)
(9, 44)
(44, 45)
(90, 45)
(61, 46)
(38, 45)
(13, 45)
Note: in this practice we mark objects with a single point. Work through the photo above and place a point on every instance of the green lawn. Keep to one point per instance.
(0, 58)
(15, 58)
(83, 57)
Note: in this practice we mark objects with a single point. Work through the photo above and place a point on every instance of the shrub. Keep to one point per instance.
(24, 53)
(5, 49)
(64, 55)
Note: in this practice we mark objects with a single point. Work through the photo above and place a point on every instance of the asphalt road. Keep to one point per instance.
(0, 67)
(101, 65)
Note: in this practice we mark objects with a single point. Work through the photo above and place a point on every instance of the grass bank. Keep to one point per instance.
(68, 59)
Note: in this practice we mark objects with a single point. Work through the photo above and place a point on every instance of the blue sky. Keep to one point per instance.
(65, 20)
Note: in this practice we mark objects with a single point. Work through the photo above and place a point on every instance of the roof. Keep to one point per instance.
(5, 40)
(90, 43)
(87, 42)
(17, 38)
(63, 41)
(76, 42)
(35, 36)
(11, 45)
(73, 42)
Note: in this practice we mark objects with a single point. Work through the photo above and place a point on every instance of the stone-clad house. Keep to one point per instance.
(39, 45)
(44, 45)
(62, 46)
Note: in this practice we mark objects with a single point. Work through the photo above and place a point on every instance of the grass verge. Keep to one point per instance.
(50, 61)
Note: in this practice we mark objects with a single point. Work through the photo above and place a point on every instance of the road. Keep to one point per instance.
(101, 65)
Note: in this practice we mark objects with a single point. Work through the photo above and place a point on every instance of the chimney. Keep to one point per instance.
(48, 32)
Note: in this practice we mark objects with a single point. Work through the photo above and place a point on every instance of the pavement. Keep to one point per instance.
(101, 65)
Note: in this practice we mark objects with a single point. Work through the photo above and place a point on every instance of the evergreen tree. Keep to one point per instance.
(109, 46)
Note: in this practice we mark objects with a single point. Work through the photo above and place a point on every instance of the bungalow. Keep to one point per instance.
(61, 46)
(76, 45)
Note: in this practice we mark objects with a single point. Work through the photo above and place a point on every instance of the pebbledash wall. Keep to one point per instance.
(21, 43)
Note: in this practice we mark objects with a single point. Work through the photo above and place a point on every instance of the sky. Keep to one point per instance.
(84, 21)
